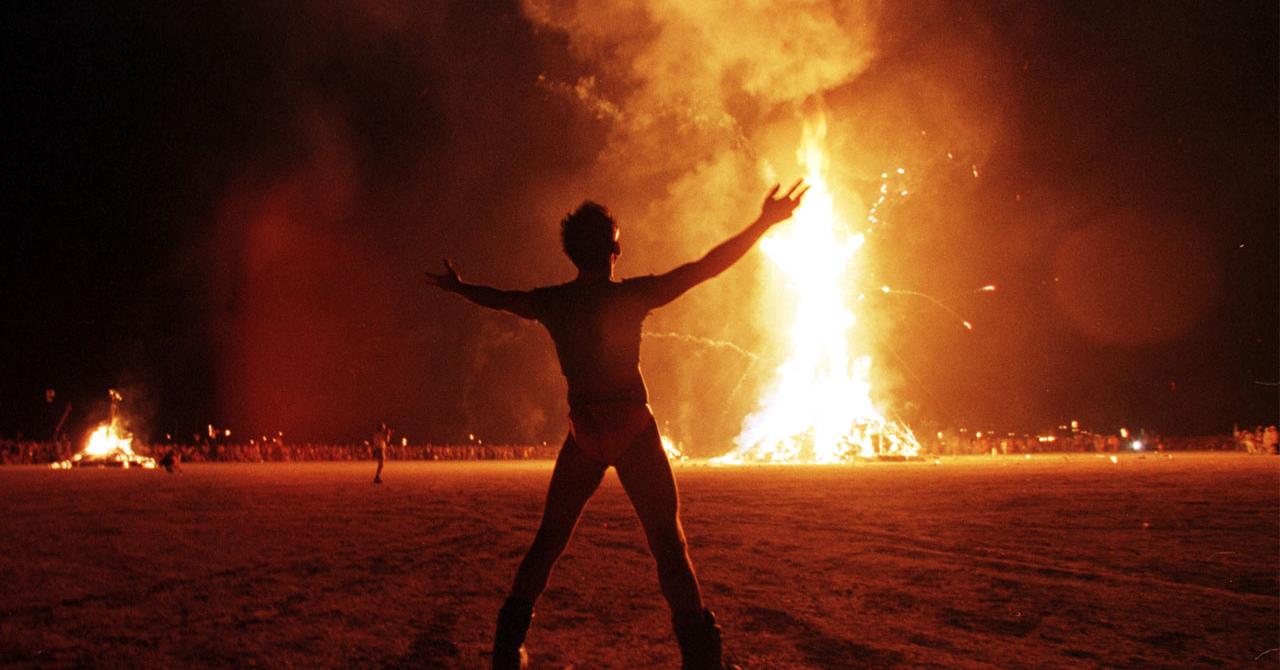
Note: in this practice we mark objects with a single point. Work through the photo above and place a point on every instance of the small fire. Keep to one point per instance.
(819, 408)
(109, 444)
(675, 451)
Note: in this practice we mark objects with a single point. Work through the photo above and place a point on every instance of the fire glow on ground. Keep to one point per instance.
(977, 562)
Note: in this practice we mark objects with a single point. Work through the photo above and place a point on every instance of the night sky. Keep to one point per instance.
(225, 210)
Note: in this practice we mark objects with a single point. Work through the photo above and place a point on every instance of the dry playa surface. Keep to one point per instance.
(980, 562)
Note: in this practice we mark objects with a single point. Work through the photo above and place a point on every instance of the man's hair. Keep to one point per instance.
(587, 235)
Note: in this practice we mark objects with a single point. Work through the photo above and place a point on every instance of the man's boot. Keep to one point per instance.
(508, 641)
(700, 645)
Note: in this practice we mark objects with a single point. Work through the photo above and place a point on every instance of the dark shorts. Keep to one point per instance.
(604, 430)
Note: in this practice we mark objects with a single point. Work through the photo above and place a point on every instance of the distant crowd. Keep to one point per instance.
(1258, 440)
(18, 452)
(962, 443)
(276, 451)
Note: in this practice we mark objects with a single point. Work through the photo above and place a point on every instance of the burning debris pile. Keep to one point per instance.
(109, 445)
(673, 449)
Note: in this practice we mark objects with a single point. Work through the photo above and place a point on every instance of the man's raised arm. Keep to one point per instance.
(669, 286)
(516, 302)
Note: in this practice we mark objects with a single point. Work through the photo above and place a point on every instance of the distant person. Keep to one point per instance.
(1271, 441)
(172, 460)
(595, 322)
(381, 438)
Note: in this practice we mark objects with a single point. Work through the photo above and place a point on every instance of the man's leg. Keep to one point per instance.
(573, 481)
(646, 476)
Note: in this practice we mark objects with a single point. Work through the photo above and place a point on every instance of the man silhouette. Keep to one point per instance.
(595, 324)
(381, 438)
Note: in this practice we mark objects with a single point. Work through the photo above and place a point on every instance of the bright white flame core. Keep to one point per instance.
(673, 449)
(818, 408)
(108, 439)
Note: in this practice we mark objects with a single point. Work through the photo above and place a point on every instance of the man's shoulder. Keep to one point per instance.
(542, 294)
(640, 282)
(573, 288)
(544, 299)
(578, 293)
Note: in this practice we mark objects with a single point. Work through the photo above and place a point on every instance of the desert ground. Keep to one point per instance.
(973, 562)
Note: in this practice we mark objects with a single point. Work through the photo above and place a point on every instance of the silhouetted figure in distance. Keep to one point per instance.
(595, 324)
(381, 436)
(172, 460)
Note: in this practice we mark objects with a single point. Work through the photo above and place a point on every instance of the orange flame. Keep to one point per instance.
(109, 442)
(673, 449)
(818, 408)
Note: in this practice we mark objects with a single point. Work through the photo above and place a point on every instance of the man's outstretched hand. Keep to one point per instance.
(447, 280)
(780, 208)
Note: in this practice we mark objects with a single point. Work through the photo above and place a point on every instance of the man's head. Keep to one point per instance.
(589, 236)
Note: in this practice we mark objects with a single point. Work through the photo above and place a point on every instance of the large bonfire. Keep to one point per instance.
(818, 407)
